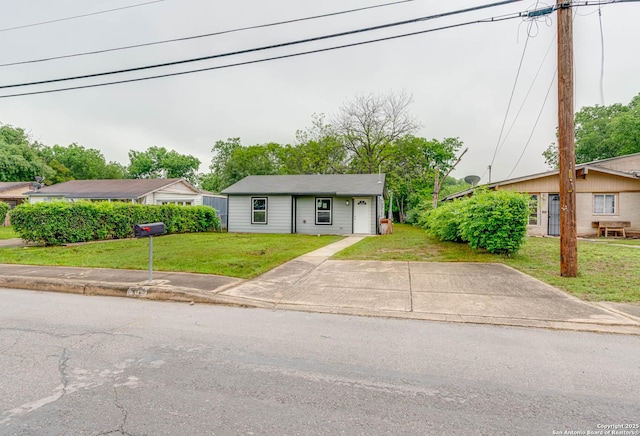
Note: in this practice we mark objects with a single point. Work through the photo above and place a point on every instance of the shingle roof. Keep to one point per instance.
(106, 189)
(7, 186)
(323, 184)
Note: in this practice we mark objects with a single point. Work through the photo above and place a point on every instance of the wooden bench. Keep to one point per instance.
(611, 226)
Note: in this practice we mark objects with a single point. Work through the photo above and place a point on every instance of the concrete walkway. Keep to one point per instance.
(452, 292)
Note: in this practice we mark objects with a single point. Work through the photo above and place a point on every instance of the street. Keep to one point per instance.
(78, 365)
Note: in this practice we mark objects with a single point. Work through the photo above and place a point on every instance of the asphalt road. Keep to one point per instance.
(79, 365)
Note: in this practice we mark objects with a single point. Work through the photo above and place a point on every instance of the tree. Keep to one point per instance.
(157, 162)
(79, 163)
(368, 125)
(232, 162)
(318, 151)
(603, 132)
(20, 160)
(411, 168)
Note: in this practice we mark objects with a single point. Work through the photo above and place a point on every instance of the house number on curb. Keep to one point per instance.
(137, 292)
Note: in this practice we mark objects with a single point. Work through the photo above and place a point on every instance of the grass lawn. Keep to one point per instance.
(606, 272)
(228, 254)
(6, 232)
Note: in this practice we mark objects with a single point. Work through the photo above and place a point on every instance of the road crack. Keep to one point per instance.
(62, 367)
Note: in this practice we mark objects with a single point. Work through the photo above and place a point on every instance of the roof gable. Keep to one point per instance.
(316, 184)
(109, 189)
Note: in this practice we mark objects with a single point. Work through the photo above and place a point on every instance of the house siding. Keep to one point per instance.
(342, 216)
(627, 193)
(278, 214)
(592, 182)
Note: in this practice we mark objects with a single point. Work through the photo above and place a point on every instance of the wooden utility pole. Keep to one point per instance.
(566, 143)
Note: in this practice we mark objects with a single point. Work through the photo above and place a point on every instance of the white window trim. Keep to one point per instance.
(330, 211)
(604, 212)
(253, 211)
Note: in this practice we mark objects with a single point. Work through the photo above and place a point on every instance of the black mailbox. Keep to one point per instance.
(151, 229)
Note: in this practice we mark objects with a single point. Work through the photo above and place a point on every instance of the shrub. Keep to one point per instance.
(4, 208)
(59, 222)
(495, 220)
(444, 222)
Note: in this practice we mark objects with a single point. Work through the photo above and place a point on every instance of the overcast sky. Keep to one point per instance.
(460, 79)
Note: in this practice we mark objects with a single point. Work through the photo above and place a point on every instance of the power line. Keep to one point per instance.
(79, 16)
(486, 20)
(388, 38)
(601, 57)
(267, 47)
(206, 35)
(513, 91)
(544, 103)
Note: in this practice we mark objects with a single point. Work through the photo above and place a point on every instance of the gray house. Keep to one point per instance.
(325, 204)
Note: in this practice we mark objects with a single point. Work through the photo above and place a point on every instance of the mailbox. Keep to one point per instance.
(151, 229)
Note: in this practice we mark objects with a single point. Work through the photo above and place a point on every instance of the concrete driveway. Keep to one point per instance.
(463, 292)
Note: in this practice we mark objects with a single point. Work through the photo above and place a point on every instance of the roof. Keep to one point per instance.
(8, 186)
(108, 189)
(317, 184)
(611, 159)
(584, 168)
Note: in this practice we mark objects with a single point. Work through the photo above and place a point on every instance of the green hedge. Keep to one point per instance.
(4, 208)
(493, 220)
(60, 222)
(444, 222)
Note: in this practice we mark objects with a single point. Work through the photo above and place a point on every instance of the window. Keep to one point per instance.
(604, 204)
(258, 210)
(534, 210)
(177, 203)
(323, 211)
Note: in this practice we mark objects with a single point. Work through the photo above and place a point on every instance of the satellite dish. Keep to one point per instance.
(472, 180)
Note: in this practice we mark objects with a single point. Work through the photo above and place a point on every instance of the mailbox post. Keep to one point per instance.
(150, 230)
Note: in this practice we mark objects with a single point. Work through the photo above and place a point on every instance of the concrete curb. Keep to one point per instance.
(128, 290)
(157, 292)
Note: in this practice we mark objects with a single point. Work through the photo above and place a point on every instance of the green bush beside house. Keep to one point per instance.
(60, 222)
(492, 220)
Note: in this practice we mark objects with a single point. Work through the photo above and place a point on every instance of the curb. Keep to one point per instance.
(155, 292)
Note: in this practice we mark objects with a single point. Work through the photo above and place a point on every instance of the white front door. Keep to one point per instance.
(362, 215)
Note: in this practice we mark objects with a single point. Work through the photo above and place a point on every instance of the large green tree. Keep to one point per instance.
(20, 159)
(157, 162)
(80, 163)
(232, 162)
(603, 132)
(411, 167)
(318, 151)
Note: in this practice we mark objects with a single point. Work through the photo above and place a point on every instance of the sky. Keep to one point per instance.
(461, 79)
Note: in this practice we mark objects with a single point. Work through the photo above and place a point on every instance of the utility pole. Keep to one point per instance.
(566, 144)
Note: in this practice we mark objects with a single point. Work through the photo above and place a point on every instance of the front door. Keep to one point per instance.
(362, 215)
(553, 229)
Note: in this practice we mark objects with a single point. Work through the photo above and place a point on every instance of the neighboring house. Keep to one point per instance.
(312, 204)
(14, 193)
(606, 190)
(139, 191)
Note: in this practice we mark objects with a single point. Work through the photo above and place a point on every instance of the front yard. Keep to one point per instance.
(607, 272)
(6, 232)
(229, 254)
